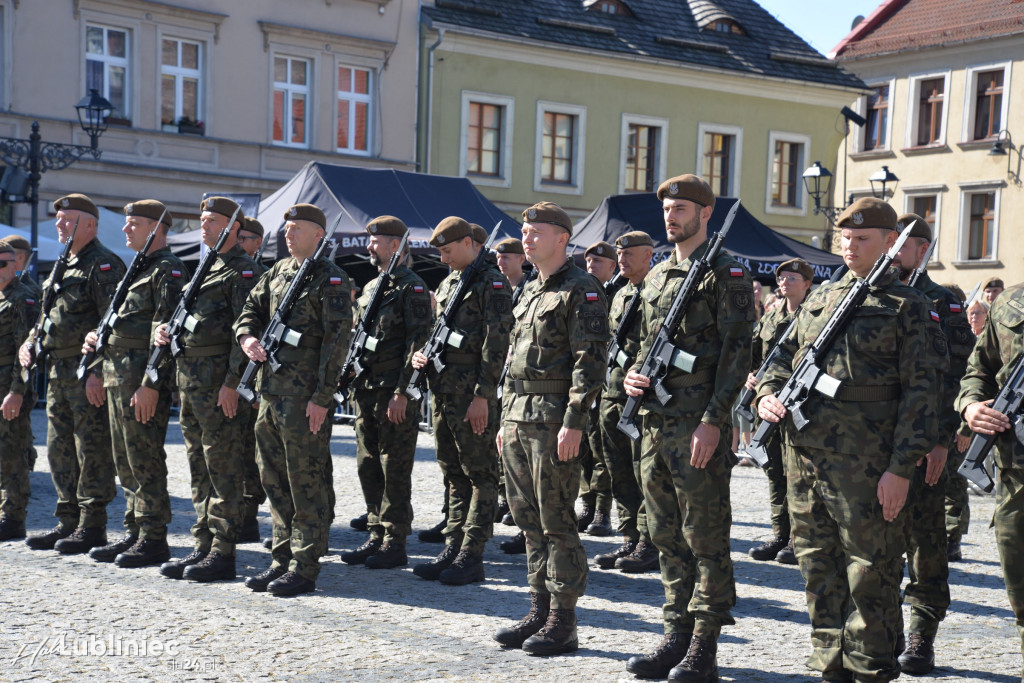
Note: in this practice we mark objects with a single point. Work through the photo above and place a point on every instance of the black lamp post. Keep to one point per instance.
(880, 180)
(818, 181)
(1004, 147)
(37, 157)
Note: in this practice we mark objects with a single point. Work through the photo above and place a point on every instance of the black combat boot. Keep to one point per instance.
(250, 531)
(146, 552)
(175, 569)
(644, 558)
(434, 534)
(359, 555)
(953, 552)
(431, 570)
(607, 560)
(602, 524)
(290, 583)
(11, 530)
(467, 568)
(502, 510)
(508, 519)
(268, 543)
(107, 553)
(259, 583)
(214, 567)
(700, 665)
(516, 635)
(919, 657)
(586, 517)
(359, 523)
(389, 556)
(657, 664)
(82, 540)
(768, 550)
(515, 545)
(787, 555)
(48, 539)
(557, 637)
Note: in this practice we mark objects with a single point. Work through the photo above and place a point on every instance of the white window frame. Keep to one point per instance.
(181, 73)
(971, 101)
(353, 98)
(504, 178)
(801, 194)
(579, 146)
(859, 134)
(290, 88)
(966, 190)
(737, 156)
(659, 165)
(914, 108)
(937, 191)
(108, 61)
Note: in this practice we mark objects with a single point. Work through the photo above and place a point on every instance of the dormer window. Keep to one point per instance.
(726, 26)
(608, 7)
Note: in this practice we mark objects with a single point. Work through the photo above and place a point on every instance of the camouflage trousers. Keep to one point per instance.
(470, 468)
(689, 517)
(542, 495)
(620, 453)
(141, 462)
(595, 479)
(384, 457)
(15, 488)
(957, 503)
(927, 564)
(253, 494)
(293, 470)
(850, 559)
(215, 464)
(1009, 527)
(776, 471)
(78, 448)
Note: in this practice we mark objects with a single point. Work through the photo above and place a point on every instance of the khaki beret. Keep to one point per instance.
(18, 242)
(602, 249)
(955, 288)
(689, 187)
(994, 282)
(149, 208)
(868, 212)
(548, 212)
(451, 229)
(306, 212)
(386, 225)
(796, 265)
(76, 202)
(509, 245)
(5, 247)
(479, 234)
(250, 224)
(637, 238)
(222, 205)
(921, 228)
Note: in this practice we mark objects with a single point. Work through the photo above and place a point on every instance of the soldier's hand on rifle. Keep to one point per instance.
(144, 401)
(25, 354)
(396, 408)
(892, 494)
(936, 464)
(317, 415)
(703, 444)
(635, 383)
(983, 420)
(11, 406)
(252, 348)
(94, 390)
(569, 443)
(160, 336)
(89, 345)
(770, 408)
(751, 382)
(476, 416)
(227, 400)
(419, 361)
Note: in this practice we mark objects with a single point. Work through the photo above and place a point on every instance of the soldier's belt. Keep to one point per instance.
(884, 392)
(385, 366)
(306, 342)
(7, 360)
(689, 380)
(66, 352)
(127, 342)
(463, 358)
(524, 387)
(206, 351)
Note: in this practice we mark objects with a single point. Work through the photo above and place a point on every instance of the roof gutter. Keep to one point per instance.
(430, 98)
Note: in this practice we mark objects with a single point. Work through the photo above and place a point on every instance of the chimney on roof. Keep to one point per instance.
(856, 21)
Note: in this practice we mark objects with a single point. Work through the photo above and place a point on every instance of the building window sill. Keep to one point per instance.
(873, 154)
(979, 263)
(925, 149)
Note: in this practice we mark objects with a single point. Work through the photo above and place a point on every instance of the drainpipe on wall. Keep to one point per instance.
(430, 97)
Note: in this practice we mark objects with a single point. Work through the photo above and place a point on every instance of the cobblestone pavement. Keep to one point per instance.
(70, 618)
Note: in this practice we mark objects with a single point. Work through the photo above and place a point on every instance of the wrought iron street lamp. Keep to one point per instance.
(1004, 147)
(818, 181)
(879, 183)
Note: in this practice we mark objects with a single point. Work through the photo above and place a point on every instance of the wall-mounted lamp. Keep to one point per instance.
(1004, 147)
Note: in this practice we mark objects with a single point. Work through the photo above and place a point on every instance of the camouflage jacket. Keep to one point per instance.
(212, 357)
(33, 287)
(402, 326)
(613, 388)
(484, 320)
(890, 360)
(767, 333)
(1000, 344)
(88, 286)
(18, 312)
(560, 334)
(322, 314)
(151, 300)
(953, 320)
(716, 328)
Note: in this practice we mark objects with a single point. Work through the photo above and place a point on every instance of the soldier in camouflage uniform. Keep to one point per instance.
(558, 347)
(927, 563)
(293, 430)
(22, 256)
(686, 456)
(464, 403)
(849, 469)
(386, 420)
(621, 454)
(138, 408)
(78, 437)
(213, 420)
(795, 278)
(999, 347)
(18, 313)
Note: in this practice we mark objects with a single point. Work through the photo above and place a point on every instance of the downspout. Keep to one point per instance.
(430, 97)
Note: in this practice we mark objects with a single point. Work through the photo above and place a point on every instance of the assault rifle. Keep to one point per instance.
(50, 290)
(516, 294)
(110, 317)
(1008, 402)
(444, 332)
(616, 354)
(182, 318)
(922, 266)
(808, 374)
(278, 332)
(663, 354)
(617, 282)
(362, 341)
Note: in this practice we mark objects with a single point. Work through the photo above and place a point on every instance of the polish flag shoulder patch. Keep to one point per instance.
(955, 308)
(30, 302)
(335, 280)
(592, 296)
(418, 289)
(497, 284)
(104, 267)
(935, 316)
(247, 273)
(735, 272)
(175, 273)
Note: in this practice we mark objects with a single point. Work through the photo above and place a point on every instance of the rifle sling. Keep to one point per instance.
(689, 380)
(120, 342)
(525, 387)
(205, 351)
(66, 352)
(868, 394)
